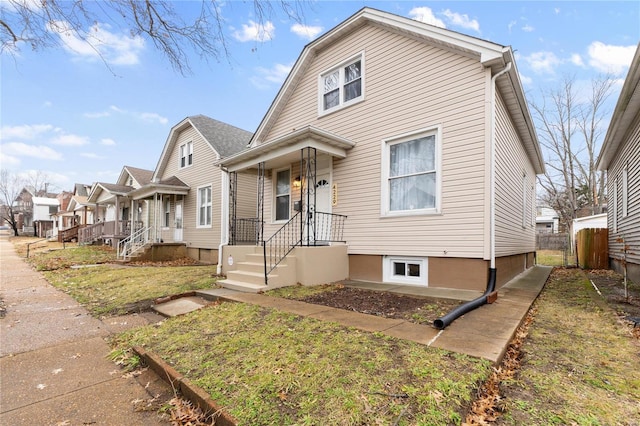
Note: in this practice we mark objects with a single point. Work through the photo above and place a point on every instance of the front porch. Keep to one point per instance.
(294, 235)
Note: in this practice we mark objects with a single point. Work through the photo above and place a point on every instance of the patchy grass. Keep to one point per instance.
(50, 255)
(579, 362)
(269, 367)
(555, 258)
(111, 290)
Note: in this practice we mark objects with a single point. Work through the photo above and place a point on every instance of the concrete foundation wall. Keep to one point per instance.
(365, 267)
(633, 269)
(510, 266)
(321, 265)
(164, 252)
(203, 255)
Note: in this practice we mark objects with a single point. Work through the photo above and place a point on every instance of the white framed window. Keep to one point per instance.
(342, 86)
(167, 213)
(411, 174)
(405, 270)
(204, 207)
(186, 154)
(625, 190)
(282, 194)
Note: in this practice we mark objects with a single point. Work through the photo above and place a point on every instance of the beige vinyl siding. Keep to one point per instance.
(408, 86)
(202, 172)
(247, 197)
(511, 164)
(629, 226)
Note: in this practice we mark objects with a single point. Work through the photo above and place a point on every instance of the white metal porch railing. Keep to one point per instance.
(133, 243)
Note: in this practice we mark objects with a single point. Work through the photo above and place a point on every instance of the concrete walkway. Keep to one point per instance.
(483, 333)
(54, 368)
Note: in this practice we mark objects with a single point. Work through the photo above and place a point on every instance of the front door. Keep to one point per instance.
(177, 231)
(319, 226)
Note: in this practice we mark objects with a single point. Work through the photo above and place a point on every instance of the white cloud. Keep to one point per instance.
(609, 58)
(107, 141)
(69, 140)
(511, 25)
(25, 132)
(91, 155)
(47, 104)
(528, 28)
(19, 149)
(256, 32)
(8, 161)
(543, 62)
(149, 117)
(425, 14)
(306, 31)
(576, 59)
(461, 20)
(268, 77)
(98, 43)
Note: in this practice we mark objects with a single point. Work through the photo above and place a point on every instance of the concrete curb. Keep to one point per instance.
(190, 391)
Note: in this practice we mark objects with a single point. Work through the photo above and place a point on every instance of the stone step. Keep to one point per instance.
(249, 277)
(242, 286)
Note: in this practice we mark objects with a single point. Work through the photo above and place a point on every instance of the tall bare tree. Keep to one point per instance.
(569, 126)
(11, 184)
(40, 24)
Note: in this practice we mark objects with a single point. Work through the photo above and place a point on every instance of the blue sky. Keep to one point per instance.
(65, 113)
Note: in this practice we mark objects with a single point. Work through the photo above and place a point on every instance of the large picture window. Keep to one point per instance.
(342, 85)
(411, 174)
(186, 154)
(204, 206)
(282, 194)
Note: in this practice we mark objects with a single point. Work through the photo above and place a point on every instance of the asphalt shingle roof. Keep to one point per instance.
(224, 138)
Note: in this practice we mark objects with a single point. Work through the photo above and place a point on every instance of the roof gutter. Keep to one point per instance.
(442, 322)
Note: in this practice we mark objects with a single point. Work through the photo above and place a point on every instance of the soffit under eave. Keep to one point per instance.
(150, 191)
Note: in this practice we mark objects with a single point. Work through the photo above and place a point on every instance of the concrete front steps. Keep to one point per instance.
(248, 276)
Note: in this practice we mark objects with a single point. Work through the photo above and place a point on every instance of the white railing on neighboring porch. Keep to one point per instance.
(133, 243)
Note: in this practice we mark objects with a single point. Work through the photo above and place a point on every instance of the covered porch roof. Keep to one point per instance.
(171, 185)
(285, 149)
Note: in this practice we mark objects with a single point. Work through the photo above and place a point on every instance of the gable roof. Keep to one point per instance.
(81, 189)
(141, 176)
(489, 54)
(112, 188)
(223, 138)
(624, 115)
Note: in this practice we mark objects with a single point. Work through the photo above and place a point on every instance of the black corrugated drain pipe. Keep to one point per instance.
(447, 319)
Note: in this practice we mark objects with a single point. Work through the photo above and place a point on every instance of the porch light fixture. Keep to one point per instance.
(296, 182)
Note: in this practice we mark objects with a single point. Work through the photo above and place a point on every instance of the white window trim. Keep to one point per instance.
(614, 212)
(188, 151)
(199, 205)
(625, 191)
(166, 208)
(384, 207)
(389, 276)
(340, 67)
(274, 184)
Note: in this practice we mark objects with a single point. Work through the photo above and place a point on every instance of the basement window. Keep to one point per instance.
(405, 270)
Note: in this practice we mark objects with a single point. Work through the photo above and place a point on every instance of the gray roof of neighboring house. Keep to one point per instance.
(173, 181)
(142, 176)
(112, 187)
(224, 138)
(82, 190)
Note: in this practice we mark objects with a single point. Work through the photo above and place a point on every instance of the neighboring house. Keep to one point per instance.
(44, 212)
(187, 188)
(74, 213)
(116, 213)
(620, 157)
(547, 221)
(395, 152)
(24, 208)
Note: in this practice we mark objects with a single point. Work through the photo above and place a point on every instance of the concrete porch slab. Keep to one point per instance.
(180, 306)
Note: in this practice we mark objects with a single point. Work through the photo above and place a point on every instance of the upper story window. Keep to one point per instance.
(343, 85)
(186, 154)
(411, 174)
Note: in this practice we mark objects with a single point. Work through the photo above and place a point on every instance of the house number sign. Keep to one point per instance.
(334, 194)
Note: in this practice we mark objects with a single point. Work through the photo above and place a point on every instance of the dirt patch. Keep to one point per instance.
(418, 310)
(611, 285)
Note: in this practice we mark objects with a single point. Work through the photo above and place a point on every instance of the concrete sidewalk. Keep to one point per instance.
(54, 368)
(483, 333)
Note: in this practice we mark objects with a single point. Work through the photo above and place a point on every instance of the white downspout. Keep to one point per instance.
(492, 197)
(224, 216)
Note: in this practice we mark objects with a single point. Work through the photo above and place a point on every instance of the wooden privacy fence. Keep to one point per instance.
(592, 246)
